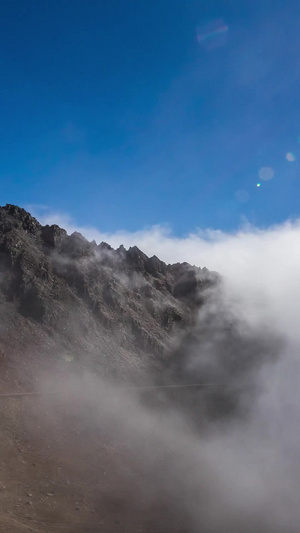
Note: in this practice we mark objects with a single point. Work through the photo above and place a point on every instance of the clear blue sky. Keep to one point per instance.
(128, 113)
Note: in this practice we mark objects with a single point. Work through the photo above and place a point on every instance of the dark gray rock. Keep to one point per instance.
(53, 236)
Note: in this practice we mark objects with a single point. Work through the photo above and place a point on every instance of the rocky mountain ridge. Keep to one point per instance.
(68, 288)
(92, 326)
(74, 312)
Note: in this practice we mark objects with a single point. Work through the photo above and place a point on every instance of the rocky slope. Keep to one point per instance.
(99, 306)
(92, 324)
(69, 307)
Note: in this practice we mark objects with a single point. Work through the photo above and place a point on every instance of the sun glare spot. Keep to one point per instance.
(242, 196)
(266, 173)
(290, 157)
(213, 34)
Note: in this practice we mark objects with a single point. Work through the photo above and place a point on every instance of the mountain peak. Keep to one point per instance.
(46, 273)
(18, 216)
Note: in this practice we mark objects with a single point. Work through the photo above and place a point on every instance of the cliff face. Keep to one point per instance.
(114, 309)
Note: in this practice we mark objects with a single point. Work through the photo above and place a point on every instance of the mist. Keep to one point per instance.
(223, 459)
(241, 473)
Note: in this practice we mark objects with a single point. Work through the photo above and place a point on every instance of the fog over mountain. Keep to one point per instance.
(168, 393)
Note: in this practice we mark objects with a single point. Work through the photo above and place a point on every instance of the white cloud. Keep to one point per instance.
(251, 470)
(259, 264)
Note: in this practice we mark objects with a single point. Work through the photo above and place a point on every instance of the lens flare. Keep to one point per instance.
(242, 196)
(213, 34)
(266, 173)
(290, 157)
(258, 184)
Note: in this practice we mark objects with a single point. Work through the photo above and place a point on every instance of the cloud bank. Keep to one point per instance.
(244, 476)
(259, 265)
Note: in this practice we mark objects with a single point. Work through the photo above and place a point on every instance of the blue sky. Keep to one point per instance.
(130, 113)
